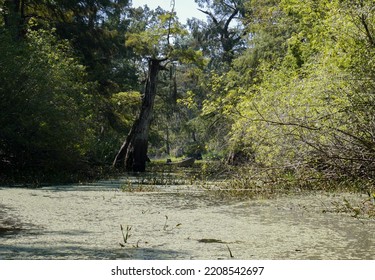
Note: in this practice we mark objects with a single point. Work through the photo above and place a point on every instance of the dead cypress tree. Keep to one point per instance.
(133, 153)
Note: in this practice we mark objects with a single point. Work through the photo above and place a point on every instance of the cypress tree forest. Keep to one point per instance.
(284, 86)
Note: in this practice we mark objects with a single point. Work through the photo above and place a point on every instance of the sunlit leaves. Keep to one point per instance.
(156, 40)
(312, 104)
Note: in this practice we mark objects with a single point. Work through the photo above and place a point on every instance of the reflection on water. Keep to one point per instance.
(170, 222)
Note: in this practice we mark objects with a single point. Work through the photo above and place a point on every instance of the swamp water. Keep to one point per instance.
(176, 222)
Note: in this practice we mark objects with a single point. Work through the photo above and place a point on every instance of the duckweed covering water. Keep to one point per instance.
(170, 222)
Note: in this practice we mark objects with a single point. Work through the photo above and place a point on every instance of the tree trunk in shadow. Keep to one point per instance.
(133, 153)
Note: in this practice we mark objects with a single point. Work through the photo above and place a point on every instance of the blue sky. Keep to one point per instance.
(184, 8)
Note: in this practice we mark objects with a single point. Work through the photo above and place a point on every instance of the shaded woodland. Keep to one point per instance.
(282, 86)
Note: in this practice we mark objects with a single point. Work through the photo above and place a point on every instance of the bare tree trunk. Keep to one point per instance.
(133, 153)
(168, 148)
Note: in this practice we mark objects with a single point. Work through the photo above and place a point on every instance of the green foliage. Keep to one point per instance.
(45, 103)
(282, 84)
(112, 118)
(311, 106)
(126, 104)
(220, 36)
(161, 36)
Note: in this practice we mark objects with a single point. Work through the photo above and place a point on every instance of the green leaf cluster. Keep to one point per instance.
(308, 103)
(45, 111)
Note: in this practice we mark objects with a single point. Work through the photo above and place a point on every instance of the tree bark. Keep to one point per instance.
(133, 152)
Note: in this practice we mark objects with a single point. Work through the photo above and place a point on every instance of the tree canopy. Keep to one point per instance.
(280, 84)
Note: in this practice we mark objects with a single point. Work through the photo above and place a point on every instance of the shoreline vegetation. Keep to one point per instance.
(218, 179)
